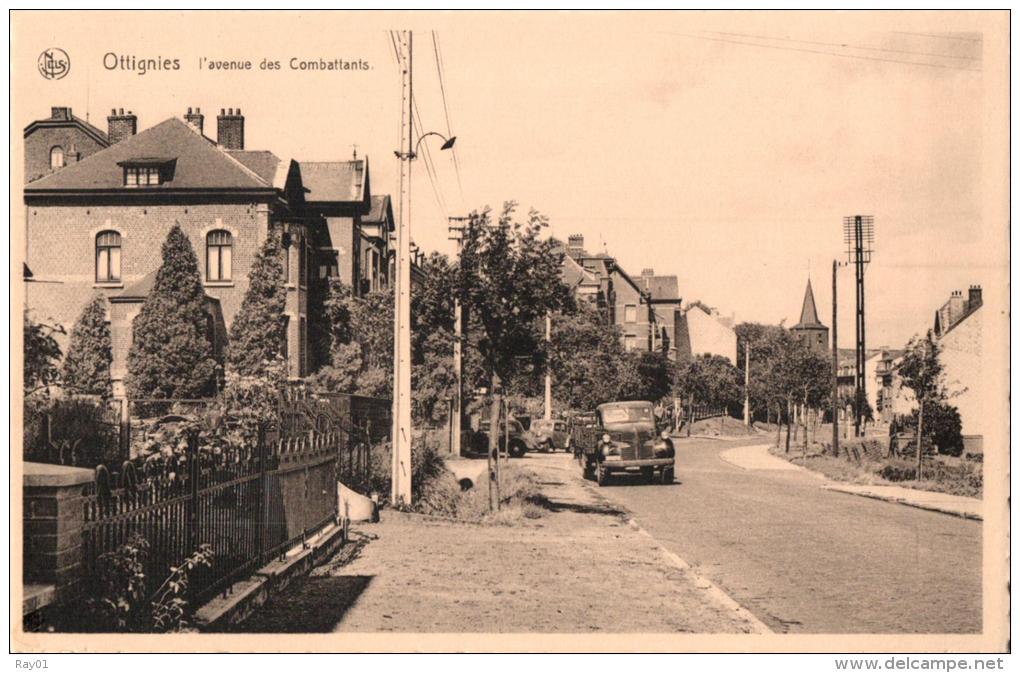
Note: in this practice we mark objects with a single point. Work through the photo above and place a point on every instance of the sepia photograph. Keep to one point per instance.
(515, 331)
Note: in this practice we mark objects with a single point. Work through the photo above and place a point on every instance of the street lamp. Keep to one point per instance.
(401, 431)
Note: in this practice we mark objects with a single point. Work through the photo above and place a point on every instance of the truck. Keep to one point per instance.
(624, 438)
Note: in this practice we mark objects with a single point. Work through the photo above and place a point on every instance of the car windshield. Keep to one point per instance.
(612, 415)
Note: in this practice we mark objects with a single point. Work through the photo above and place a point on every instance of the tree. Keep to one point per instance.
(644, 376)
(258, 333)
(90, 352)
(708, 379)
(171, 354)
(42, 356)
(585, 358)
(510, 278)
(922, 372)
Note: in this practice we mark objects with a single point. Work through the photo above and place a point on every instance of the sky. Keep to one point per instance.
(723, 148)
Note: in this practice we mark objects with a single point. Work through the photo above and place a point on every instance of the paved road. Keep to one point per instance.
(805, 560)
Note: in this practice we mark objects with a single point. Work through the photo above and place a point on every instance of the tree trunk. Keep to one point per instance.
(920, 434)
(493, 445)
(779, 428)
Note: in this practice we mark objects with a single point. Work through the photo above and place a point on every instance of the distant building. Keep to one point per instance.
(810, 330)
(702, 331)
(664, 297)
(621, 298)
(63, 139)
(958, 328)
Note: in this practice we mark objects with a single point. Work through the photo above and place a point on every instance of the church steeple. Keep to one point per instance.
(810, 330)
(808, 312)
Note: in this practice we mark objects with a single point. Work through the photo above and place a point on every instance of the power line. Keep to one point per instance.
(446, 110)
(430, 168)
(829, 53)
(940, 37)
(849, 46)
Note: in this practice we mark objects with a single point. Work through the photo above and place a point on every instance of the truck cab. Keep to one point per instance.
(624, 438)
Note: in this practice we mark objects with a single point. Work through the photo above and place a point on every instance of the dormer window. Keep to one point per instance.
(147, 172)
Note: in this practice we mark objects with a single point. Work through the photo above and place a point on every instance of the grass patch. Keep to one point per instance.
(941, 474)
(520, 498)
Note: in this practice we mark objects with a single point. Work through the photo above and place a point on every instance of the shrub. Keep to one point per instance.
(71, 431)
(257, 335)
(90, 352)
(942, 428)
(171, 355)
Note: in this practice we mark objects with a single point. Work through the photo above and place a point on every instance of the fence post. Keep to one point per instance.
(193, 474)
(260, 509)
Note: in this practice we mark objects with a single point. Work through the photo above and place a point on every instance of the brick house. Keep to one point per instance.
(63, 139)
(958, 327)
(664, 300)
(623, 300)
(701, 330)
(97, 224)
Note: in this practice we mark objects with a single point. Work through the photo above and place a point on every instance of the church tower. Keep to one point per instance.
(810, 331)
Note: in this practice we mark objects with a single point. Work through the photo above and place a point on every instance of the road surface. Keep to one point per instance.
(806, 560)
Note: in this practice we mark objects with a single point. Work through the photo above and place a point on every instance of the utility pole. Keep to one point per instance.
(747, 386)
(401, 433)
(457, 234)
(859, 234)
(835, 366)
(548, 370)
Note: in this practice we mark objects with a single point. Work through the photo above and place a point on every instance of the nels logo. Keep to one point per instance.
(54, 63)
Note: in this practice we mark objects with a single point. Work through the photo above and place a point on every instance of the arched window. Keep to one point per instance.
(218, 254)
(107, 257)
(57, 157)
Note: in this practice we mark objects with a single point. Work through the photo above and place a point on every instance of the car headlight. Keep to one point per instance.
(606, 438)
(664, 434)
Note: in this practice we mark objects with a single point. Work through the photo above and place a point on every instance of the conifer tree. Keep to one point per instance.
(90, 352)
(171, 354)
(257, 334)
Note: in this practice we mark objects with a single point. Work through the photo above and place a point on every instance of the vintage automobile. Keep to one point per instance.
(624, 438)
(520, 439)
(549, 435)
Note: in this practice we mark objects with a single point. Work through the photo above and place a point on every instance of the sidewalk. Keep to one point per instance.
(758, 457)
(580, 568)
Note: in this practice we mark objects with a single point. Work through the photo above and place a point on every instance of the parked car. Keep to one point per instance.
(520, 439)
(549, 435)
(623, 438)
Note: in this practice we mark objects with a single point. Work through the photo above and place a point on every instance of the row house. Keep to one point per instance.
(959, 326)
(622, 299)
(701, 330)
(664, 298)
(98, 207)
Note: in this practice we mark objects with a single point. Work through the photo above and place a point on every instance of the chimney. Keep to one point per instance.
(575, 244)
(120, 125)
(195, 119)
(974, 298)
(62, 113)
(230, 129)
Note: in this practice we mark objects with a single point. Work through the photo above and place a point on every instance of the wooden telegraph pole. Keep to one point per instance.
(401, 433)
(548, 372)
(457, 234)
(835, 367)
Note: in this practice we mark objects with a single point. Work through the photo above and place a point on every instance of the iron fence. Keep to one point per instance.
(250, 503)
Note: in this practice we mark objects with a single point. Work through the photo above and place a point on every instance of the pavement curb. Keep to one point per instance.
(838, 488)
(249, 594)
(712, 590)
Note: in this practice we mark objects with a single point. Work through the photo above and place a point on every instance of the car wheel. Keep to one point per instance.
(648, 473)
(586, 468)
(517, 449)
(601, 474)
(667, 475)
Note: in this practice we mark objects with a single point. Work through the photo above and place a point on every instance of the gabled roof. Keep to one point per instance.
(381, 211)
(261, 162)
(88, 129)
(575, 275)
(335, 181)
(662, 288)
(200, 164)
(808, 312)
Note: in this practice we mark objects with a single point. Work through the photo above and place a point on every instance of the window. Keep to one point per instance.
(302, 346)
(302, 263)
(107, 257)
(141, 176)
(218, 255)
(328, 266)
(630, 313)
(57, 157)
(285, 346)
